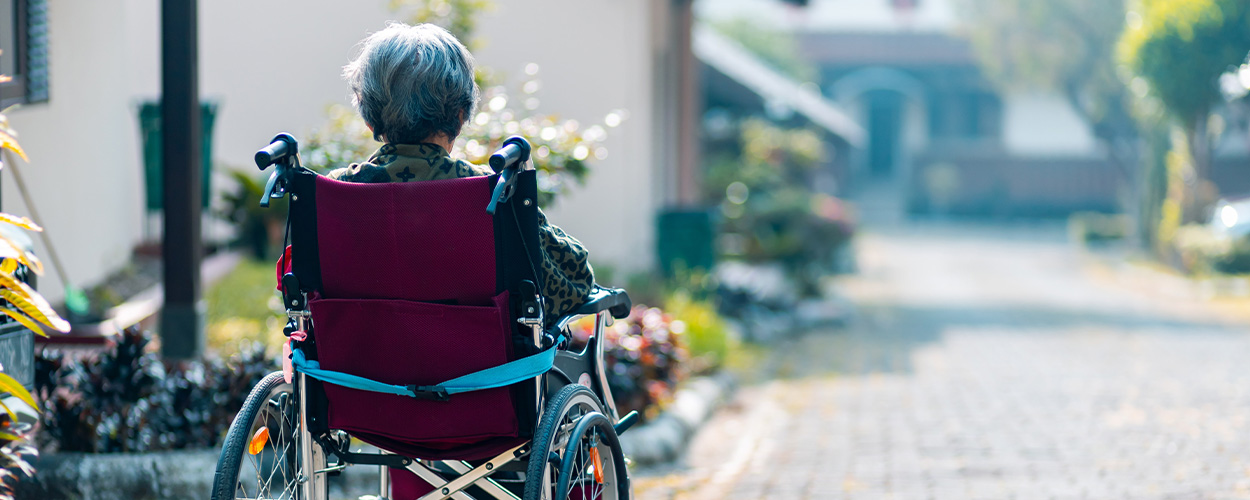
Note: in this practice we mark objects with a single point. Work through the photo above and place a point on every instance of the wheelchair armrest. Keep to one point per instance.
(614, 300)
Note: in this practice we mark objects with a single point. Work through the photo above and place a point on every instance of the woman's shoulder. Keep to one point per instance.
(365, 171)
(447, 167)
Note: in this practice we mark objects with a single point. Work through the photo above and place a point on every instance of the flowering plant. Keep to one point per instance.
(644, 354)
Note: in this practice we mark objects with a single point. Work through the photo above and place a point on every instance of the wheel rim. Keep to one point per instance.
(573, 417)
(588, 469)
(273, 472)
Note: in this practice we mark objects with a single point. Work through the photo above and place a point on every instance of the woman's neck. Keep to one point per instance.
(441, 140)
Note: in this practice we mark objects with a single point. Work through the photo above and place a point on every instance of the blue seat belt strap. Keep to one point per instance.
(313, 369)
(497, 376)
(506, 374)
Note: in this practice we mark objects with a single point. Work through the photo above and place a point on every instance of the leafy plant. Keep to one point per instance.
(15, 450)
(771, 213)
(259, 229)
(23, 304)
(645, 358)
(457, 16)
(126, 400)
(561, 147)
(706, 335)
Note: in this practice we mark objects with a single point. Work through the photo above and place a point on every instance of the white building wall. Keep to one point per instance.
(83, 144)
(594, 57)
(1036, 125)
(274, 66)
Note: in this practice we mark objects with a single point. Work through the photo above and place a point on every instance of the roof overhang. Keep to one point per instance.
(732, 60)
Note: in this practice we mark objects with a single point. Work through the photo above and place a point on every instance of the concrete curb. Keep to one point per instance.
(168, 475)
(122, 476)
(664, 438)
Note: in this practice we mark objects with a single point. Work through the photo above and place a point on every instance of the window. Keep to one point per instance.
(24, 42)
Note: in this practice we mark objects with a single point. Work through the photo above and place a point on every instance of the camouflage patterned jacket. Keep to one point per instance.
(566, 269)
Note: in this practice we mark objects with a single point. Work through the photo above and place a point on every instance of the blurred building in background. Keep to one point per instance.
(939, 138)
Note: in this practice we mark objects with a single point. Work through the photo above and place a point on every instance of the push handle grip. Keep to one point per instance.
(515, 150)
(282, 146)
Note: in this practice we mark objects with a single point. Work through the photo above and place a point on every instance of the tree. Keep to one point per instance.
(457, 16)
(1180, 48)
(1065, 46)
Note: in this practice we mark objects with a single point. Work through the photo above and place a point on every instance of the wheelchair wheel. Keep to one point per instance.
(576, 454)
(260, 457)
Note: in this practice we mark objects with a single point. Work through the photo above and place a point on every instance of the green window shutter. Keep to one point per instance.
(36, 50)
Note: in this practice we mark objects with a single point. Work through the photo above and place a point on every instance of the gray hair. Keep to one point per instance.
(413, 82)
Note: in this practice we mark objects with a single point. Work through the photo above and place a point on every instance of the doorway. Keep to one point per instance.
(885, 120)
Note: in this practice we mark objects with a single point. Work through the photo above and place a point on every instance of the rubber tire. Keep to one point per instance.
(238, 437)
(558, 407)
(620, 475)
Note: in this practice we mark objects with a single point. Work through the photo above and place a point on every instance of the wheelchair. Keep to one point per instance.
(416, 326)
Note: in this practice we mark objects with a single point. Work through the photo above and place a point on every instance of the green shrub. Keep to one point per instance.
(1094, 228)
(708, 338)
(125, 399)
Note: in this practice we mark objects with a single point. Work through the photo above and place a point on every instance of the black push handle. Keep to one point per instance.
(515, 151)
(281, 147)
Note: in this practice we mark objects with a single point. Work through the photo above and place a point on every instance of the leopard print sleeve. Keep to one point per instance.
(567, 275)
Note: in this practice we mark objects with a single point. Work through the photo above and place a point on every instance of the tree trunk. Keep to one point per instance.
(1198, 196)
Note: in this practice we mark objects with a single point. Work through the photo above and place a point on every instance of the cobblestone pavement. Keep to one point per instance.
(986, 364)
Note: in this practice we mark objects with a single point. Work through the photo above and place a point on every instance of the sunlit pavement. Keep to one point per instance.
(987, 363)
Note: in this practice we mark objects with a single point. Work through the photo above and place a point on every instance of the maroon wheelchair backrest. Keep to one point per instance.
(426, 241)
(410, 296)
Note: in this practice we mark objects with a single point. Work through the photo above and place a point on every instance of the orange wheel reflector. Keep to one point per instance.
(258, 440)
(597, 463)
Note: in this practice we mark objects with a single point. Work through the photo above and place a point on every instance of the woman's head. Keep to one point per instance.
(413, 83)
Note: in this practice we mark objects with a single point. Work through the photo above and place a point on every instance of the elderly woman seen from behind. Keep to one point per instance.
(414, 88)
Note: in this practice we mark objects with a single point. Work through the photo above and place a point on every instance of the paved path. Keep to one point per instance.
(988, 364)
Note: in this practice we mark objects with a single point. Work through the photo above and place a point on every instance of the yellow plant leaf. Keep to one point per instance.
(35, 264)
(22, 222)
(25, 321)
(45, 315)
(12, 283)
(8, 266)
(9, 411)
(9, 437)
(10, 385)
(10, 248)
(7, 141)
(25, 291)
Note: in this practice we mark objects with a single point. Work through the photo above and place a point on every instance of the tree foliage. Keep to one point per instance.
(1181, 47)
(457, 16)
(771, 212)
(1065, 46)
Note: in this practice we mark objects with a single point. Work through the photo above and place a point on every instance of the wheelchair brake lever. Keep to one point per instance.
(270, 188)
(503, 189)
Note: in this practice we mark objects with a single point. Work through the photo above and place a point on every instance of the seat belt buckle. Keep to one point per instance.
(429, 392)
